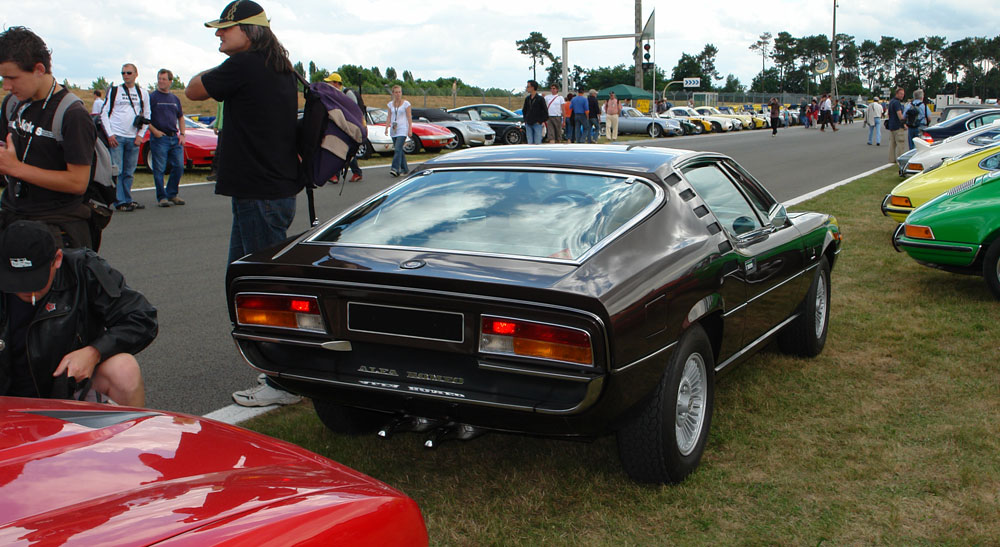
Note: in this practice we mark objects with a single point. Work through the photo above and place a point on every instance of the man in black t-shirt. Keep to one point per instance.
(258, 161)
(45, 174)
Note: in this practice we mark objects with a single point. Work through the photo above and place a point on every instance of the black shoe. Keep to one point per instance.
(137, 205)
(125, 207)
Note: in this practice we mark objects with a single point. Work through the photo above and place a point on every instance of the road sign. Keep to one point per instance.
(647, 66)
(692, 82)
(822, 66)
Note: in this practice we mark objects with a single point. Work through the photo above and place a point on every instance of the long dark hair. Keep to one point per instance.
(265, 42)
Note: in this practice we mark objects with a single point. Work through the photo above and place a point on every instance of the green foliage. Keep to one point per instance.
(318, 75)
(536, 47)
(100, 83)
(733, 85)
(300, 69)
(177, 83)
(767, 81)
(763, 46)
(390, 73)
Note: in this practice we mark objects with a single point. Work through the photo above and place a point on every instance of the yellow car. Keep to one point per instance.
(923, 187)
(745, 121)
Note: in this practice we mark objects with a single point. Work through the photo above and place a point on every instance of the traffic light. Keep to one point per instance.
(646, 55)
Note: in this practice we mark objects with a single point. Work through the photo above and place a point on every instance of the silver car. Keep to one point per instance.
(632, 121)
(467, 132)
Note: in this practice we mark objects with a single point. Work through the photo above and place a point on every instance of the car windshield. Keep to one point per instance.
(539, 214)
(378, 115)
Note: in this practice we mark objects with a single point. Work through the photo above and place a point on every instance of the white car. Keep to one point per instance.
(381, 143)
(719, 124)
(929, 156)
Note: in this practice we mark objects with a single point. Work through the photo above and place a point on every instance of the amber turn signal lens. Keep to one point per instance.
(900, 201)
(539, 340)
(916, 166)
(918, 232)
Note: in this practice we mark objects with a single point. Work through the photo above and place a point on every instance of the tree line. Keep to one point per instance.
(965, 67)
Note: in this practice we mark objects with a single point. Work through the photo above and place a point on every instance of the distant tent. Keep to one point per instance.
(623, 91)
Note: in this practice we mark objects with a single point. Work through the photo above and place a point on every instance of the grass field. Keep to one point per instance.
(890, 436)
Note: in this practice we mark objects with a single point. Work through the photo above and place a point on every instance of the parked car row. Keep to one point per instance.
(949, 209)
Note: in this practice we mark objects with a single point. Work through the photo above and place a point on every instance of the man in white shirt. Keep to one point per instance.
(98, 103)
(873, 119)
(125, 117)
(554, 102)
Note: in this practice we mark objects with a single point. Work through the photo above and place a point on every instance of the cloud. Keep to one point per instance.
(471, 40)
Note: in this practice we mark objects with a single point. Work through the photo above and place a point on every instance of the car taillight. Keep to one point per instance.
(927, 137)
(287, 312)
(538, 340)
(918, 232)
(900, 201)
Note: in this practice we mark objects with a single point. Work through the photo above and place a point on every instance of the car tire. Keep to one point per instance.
(512, 136)
(149, 157)
(364, 151)
(991, 268)
(664, 442)
(699, 128)
(412, 145)
(716, 127)
(457, 142)
(806, 335)
(346, 420)
(604, 130)
(654, 130)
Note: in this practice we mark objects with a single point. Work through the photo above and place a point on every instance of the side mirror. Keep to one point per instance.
(778, 216)
(742, 225)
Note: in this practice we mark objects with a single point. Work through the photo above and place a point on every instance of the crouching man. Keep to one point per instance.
(69, 325)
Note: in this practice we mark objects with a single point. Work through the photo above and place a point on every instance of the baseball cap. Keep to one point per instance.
(27, 249)
(240, 12)
(333, 78)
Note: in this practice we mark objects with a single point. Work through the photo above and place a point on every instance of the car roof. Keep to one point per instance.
(637, 159)
(434, 114)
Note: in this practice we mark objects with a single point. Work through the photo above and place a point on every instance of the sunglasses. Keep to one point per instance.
(127, 73)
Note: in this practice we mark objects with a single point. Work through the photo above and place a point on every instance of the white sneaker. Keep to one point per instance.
(265, 395)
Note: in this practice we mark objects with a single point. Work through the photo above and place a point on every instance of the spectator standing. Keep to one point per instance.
(873, 119)
(69, 321)
(166, 143)
(826, 113)
(775, 115)
(45, 177)
(896, 125)
(337, 83)
(258, 165)
(612, 109)
(814, 113)
(125, 117)
(920, 117)
(554, 104)
(535, 113)
(95, 110)
(581, 111)
(399, 126)
(593, 117)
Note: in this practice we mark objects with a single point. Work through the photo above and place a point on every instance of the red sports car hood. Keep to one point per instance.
(85, 474)
(422, 129)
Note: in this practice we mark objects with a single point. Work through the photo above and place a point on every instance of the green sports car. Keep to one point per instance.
(958, 231)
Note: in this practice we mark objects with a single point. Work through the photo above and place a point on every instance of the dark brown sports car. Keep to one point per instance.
(570, 291)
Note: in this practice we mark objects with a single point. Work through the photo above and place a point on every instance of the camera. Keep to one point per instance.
(139, 121)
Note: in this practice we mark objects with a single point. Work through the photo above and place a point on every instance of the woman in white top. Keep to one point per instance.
(399, 126)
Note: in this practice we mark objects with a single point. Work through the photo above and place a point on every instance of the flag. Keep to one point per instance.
(648, 31)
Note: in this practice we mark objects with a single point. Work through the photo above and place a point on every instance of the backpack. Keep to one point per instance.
(913, 114)
(100, 195)
(327, 137)
(111, 101)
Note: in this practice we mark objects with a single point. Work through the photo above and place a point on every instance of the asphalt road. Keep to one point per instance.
(177, 256)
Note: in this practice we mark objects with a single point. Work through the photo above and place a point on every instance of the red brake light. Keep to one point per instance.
(532, 339)
(927, 137)
(289, 312)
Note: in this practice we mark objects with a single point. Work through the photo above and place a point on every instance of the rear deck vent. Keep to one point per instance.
(687, 195)
(701, 211)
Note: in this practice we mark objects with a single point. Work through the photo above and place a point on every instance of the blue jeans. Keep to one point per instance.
(258, 224)
(166, 150)
(534, 132)
(594, 131)
(875, 130)
(398, 156)
(910, 134)
(582, 126)
(125, 156)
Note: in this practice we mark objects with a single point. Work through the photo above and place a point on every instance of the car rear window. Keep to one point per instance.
(543, 214)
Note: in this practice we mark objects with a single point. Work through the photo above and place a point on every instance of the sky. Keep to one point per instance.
(471, 39)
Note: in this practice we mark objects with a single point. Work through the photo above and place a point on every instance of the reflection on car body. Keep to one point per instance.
(561, 290)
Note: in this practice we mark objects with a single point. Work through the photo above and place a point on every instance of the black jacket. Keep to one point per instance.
(594, 106)
(535, 111)
(89, 304)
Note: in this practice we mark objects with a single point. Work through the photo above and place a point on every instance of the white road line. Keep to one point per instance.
(234, 414)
